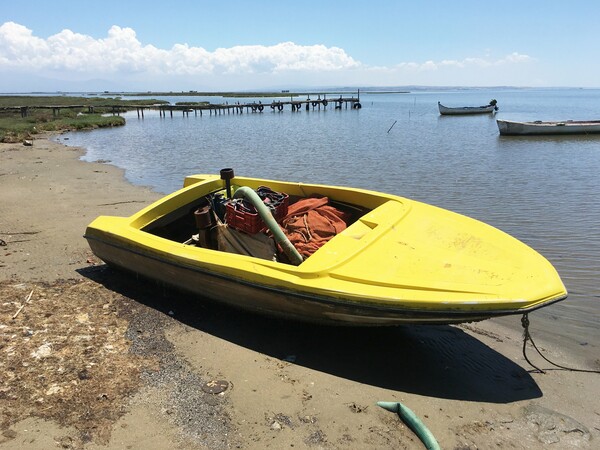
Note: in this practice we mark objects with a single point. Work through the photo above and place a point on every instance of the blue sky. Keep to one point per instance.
(241, 45)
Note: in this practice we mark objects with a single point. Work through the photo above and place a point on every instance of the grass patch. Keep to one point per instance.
(16, 128)
(60, 113)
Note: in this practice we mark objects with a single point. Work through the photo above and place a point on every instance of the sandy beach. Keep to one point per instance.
(96, 359)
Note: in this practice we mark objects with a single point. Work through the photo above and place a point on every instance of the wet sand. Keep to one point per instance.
(97, 359)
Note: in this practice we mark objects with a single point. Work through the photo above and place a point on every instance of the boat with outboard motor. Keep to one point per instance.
(464, 110)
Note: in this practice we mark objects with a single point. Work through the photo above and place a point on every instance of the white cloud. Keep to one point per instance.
(513, 58)
(122, 58)
(121, 51)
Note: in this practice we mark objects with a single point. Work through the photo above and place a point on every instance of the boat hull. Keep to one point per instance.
(511, 128)
(278, 302)
(401, 262)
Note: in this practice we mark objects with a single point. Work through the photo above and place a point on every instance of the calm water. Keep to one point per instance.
(544, 191)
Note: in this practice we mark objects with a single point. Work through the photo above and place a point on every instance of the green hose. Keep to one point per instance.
(413, 422)
(265, 214)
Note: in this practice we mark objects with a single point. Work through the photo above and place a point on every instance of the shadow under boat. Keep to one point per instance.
(432, 360)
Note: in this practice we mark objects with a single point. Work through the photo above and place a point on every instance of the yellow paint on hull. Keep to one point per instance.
(403, 261)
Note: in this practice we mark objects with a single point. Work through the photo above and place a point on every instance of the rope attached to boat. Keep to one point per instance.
(527, 337)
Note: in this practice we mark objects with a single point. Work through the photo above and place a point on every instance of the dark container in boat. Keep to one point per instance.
(204, 218)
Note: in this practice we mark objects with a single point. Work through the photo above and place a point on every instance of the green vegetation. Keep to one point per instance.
(234, 94)
(14, 128)
(213, 94)
(63, 100)
(192, 103)
(57, 113)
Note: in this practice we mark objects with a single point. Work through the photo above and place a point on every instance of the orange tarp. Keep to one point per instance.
(311, 222)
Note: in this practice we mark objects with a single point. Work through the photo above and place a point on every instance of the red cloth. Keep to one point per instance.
(311, 222)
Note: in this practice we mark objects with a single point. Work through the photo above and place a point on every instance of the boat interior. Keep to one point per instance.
(219, 219)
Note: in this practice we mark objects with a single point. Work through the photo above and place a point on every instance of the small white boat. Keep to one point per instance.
(510, 128)
(454, 111)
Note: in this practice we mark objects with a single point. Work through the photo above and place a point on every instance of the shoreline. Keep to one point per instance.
(150, 353)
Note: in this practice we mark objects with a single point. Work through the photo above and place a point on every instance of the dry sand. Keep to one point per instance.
(96, 359)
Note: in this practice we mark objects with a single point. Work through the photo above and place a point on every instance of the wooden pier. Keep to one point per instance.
(320, 102)
(257, 107)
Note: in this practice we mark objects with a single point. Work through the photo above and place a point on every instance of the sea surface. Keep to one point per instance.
(543, 190)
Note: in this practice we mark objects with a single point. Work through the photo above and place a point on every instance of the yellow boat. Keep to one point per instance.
(397, 260)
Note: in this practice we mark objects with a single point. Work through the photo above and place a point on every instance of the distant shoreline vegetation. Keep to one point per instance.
(386, 92)
(254, 94)
(12, 101)
(283, 93)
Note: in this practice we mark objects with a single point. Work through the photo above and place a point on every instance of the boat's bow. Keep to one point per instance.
(436, 261)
